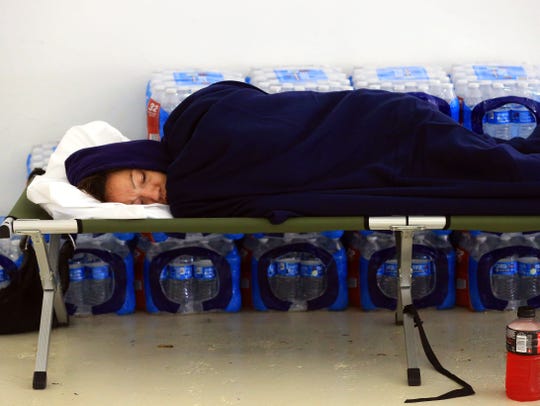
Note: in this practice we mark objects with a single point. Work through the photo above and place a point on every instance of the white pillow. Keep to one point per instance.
(61, 200)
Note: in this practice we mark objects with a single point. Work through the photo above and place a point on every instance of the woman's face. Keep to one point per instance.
(136, 186)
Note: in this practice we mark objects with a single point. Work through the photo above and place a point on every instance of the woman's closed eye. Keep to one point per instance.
(138, 178)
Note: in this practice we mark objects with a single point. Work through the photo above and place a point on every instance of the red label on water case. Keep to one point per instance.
(152, 120)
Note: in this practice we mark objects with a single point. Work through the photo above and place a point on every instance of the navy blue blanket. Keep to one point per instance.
(238, 151)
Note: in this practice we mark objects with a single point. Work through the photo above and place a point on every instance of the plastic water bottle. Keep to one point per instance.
(387, 275)
(373, 241)
(288, 277)
(4, 278)
(513, 240)
(529, 277)
(388, 282)
(164, 281)
(471, 98)
(505, 281)
(99, 282)
(180, 284)
(482, 243)
(522, 357)
(10, 249)
(312, 272)
(523, 120)
(422, 275)
(271, 273)
(171, 99)
(78, 290)
(205, 279)
(498, 121)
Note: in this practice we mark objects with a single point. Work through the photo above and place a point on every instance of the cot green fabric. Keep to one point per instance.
(24, 209)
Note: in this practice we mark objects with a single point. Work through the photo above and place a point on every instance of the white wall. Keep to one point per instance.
(67, 62)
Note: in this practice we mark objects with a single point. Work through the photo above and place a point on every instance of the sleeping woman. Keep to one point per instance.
(232, 150)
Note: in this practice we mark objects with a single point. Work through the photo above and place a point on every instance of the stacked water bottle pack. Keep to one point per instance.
(100, 276)
(39, 156)
(191, 273)
(10, 259)
(167, 88)
(430, 83)
(295, 272)
(498, 271)
(373, 270)
(498, 99)
(287, 78)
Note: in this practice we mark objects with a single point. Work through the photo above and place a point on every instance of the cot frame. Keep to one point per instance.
(27, 218)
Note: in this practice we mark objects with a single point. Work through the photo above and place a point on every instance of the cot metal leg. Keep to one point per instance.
(59, 305)
(404, 247)
(52, 302)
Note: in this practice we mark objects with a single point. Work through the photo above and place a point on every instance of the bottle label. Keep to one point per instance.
(523, 342)
(288, 267)
(180, 272)
(204, 270)
(402, 73)
(523, 117)
(311, 269)
(499, 72)
(506, 267)
(300, 75)
(421, 268)
(498, 117)
(389, 268)
(197, 78)
(528, 266)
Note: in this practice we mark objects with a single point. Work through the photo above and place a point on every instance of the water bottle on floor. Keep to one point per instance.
(481, 243)
(99, 282)
(529, 277)
(287, 277)
(373, 241)
(181, 283)
(271, 274)
(312, 272)
(505, 281)
(422, 275)
(78, 290)
(205, 279)
(164, 281)
(10, 249)
(388, 282)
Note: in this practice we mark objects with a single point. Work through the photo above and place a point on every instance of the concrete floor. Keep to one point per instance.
(255, 358)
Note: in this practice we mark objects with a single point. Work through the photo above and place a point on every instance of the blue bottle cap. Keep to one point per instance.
(334, 234)
(124, 236)
(233, 236)
(159, 237)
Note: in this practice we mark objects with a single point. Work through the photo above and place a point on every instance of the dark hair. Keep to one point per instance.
(94, 185)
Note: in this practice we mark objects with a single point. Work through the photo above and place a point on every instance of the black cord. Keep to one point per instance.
(466, 389)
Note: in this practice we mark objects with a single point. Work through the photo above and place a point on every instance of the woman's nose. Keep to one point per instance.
(151, 195)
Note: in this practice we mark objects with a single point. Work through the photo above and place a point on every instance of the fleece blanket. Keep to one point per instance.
(238, 151)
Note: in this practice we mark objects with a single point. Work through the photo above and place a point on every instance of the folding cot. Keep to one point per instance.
(27, 218)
